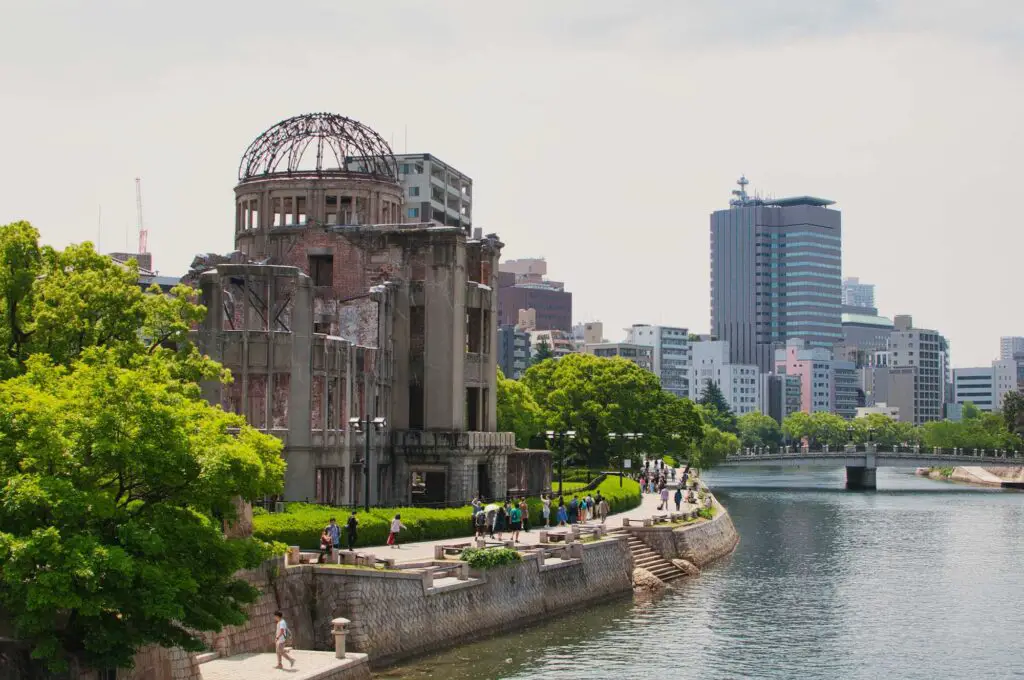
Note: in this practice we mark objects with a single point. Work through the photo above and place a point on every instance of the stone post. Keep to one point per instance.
(294, 554)
(338, 626)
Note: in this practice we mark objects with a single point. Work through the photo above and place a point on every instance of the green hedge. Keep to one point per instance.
(301, 523)
(489, 558)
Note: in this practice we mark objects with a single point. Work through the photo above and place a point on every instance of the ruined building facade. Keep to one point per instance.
(333, 309)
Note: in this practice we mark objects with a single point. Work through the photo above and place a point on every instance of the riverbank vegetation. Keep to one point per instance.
(301, 523)
(116, 476)
(601, 399)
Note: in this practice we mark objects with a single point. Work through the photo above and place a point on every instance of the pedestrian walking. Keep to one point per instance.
(574, 509)
(678, 498)
(351, 529)
(516, 522)
(664, 498)
(563, 515)
(396, 527)
(603, 509)
(501, 520)
(335, 531)
(481, 524)
(524, 509)
(545, 509)
(282, 634)
(492, 519)
(325, 546)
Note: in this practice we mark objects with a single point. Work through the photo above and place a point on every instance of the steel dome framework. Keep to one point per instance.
(341, 145)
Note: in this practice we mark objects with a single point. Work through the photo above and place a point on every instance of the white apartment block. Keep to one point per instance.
(671, 347)
(435, 191)
(1010, 345)
(560, 342)
(1005, 378)
(740, 383)
(975, 385)
(641, 355)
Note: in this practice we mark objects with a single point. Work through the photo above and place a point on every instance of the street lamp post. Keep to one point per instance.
(622, 438)
(558, 439)
(363, 425)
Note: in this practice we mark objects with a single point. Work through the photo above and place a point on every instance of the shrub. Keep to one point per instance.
(488, 558)
(301, 523)
(706, 513)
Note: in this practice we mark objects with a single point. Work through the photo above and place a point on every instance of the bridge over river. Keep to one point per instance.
(862, 461)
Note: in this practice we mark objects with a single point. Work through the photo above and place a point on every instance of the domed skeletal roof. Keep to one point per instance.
(318, 143)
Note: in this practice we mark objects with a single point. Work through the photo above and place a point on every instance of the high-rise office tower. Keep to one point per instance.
(775, 274)
(1010, 345)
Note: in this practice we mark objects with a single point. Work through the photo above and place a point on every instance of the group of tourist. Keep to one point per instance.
(497, 518)
(578, 510)
(330, 537)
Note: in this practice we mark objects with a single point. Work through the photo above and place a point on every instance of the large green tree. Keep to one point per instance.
(715, 445)
(518, 412)
(115, 475)
(716, 409)
(757, 429)
(544, 352)
(677, 428)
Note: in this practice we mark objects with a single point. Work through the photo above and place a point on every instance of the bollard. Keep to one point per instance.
(543, 537)
(463, 573)
(338, 628)
(438, 552)
(625, 521)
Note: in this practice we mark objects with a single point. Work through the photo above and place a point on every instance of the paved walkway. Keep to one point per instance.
(309, 665)
(424, 550)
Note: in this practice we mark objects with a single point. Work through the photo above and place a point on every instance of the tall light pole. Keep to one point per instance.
(364, 425)
(622, 438)
(558, 439)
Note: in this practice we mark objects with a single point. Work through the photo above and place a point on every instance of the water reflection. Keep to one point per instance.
(920, 579)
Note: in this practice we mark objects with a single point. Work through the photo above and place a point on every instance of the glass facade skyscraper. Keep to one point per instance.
(776, 267)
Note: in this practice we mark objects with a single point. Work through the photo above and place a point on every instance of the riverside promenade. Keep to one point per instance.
(424, 550)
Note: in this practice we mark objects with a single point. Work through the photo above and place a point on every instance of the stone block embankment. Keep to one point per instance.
(699, 544)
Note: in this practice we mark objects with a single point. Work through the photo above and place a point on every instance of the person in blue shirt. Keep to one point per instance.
(335, 533)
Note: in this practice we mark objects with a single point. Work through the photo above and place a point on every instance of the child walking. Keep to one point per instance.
(396, 526)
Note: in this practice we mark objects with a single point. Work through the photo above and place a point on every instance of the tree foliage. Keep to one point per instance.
(518, 412)
(715, 409)
(544, 351)
(757, 430)
(115, 474)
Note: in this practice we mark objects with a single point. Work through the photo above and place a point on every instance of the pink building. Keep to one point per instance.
(814, 368)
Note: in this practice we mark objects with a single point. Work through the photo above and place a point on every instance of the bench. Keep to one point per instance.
(553, 536)
(442, 551)
(484, 543)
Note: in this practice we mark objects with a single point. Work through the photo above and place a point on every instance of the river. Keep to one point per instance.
(920, 579)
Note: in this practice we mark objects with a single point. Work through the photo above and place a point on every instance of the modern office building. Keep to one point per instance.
(1010, 345)
(917, 372)
(740, 383)
(435, 192)
(780, 395)
(523, 285)
(513, 351)
(671, 354)
(826, 384)
(863, 336)
(641, 355)
(1006, 377)
(775, 275)
(588, 333)
(975, 386)
(857, 294)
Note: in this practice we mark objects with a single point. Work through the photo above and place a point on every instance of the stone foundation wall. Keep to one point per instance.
(393, 616)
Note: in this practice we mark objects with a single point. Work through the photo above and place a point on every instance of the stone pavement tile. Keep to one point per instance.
(308, 666)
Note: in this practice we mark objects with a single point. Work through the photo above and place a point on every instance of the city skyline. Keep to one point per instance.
(111, 98)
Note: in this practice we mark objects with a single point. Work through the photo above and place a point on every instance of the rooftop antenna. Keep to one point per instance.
(143, 233)
(741, 197)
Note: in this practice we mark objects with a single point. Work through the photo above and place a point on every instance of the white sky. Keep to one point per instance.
(599, 133)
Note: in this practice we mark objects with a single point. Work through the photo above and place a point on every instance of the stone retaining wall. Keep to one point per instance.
(700, 543)
(393, 616)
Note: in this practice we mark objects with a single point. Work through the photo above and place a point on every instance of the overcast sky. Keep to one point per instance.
(599, 134)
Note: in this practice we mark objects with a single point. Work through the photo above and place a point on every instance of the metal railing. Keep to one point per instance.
(910, 449)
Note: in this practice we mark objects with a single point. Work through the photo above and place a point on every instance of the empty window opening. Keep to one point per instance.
(415, 407)
(301, 209)
(331, 209)
(321, 270)
(289, 217)
(474, 331)
(429, 487)
(254, 215)
(278, 217)
(473, 409)
(330, 485)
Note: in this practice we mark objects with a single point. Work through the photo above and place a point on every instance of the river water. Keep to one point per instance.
(920, 579)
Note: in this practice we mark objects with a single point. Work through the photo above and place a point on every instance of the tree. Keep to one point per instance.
(716, 408)
(714, 447)
(517, 410)
(115, 475)
(798, 426)
(677, 428)
(594, 396)
(544, 352)
(1013, 412)
(757, 429)
(830, 429)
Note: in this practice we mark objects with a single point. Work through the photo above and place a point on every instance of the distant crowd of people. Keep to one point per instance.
(494, 520)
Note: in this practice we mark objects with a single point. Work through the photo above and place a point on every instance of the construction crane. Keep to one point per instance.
(143, 233)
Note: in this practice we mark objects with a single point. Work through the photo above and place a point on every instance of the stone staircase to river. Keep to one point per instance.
(647, 559)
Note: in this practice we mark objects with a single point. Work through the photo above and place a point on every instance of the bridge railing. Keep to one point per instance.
(910, 449)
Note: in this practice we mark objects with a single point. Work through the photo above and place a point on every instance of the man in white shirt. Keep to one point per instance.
(281, 635)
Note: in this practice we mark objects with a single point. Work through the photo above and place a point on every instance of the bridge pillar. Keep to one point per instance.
(860, 478)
